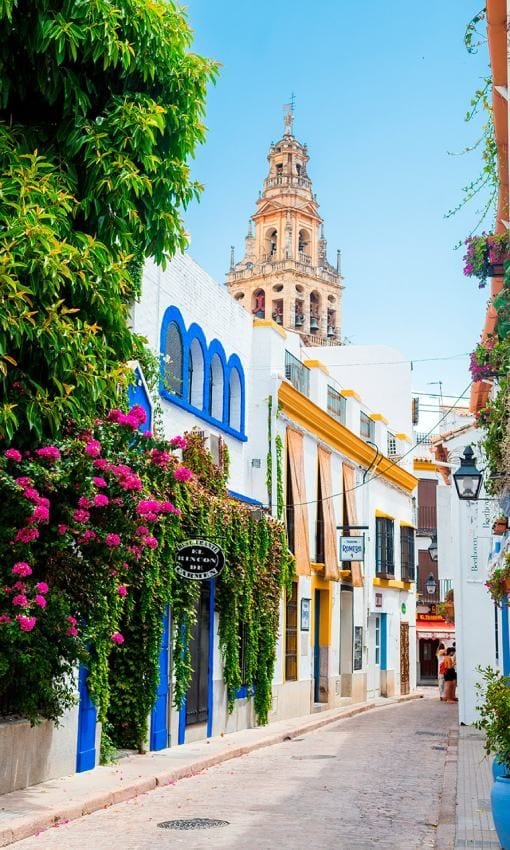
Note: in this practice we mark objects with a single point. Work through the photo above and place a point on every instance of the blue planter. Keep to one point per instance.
(500, 804)
(498, 769)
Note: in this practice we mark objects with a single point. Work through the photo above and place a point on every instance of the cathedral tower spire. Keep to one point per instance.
(285, 274)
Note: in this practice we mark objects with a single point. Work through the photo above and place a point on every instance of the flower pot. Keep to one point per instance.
(498, 769)
(500, 805)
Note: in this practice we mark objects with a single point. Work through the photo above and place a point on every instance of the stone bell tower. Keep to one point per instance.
(285, 274)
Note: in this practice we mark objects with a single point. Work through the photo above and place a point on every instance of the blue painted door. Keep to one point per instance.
(87, 716)
(159, 715)
(138, 395)
(316, 646)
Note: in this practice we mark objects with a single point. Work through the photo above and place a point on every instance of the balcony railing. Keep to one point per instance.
(297, 373)
(287, 180)
(269, 264)
(427, 520)
(443, 585)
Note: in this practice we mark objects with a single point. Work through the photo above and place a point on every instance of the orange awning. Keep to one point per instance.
(435, 630)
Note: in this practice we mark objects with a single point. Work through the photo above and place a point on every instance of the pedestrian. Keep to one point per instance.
(450, 676)
(440, 655)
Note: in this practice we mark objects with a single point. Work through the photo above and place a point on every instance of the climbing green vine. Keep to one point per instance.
(280, 501)
(269, 456)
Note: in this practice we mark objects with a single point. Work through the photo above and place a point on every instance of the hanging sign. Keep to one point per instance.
(352, 548)
(199, 559)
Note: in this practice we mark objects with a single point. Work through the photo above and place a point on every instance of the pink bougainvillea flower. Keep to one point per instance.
(81, 515)
(101, 463)
(150, 542)
(125, 565)
(23, 481)
(114, 415)
(160, 458)
(13, 454)
(20, 600)
(26, 535)
(182, 473)
(31, 494)
(167, 508)
(84, 503)
(136, 551)
(40, 601)
(42, 500)
(138, 413)
(142, 529)
(4, 618)
(72, 620)
(41, 514)
(99, 482)
(18, 585)
(178, 442)
(87, 536)
(118, 501)
(130, 482)
(26, 624)
(93, 448)
(122, 590)
(112, 540)
(72, 631)
(147, 435)
(100, 501)
(48, 452)
(62, 528)
(147, 506)
(42, 587)
(117, 638)
(21, 568)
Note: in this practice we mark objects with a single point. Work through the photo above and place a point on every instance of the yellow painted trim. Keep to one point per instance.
(345, 574)
(384, 515)
(268, 323)
(392, 583)
(316, 364)
(405, 437)
(379, 417)
(425, 466)
(316, 421)
(350, 394)
(325, 613)
(405, 524)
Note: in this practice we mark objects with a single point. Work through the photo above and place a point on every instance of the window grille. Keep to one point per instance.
(297, 373)
(336, 405)
(366, 427)
(407, 559)
(384, 547)
(291, 635)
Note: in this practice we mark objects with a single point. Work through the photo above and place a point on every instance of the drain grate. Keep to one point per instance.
(192, 823)
(311, 758)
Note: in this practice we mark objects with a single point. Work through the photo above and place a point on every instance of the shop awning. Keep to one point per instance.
(435, 630)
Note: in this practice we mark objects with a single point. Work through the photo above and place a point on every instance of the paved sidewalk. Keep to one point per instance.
(27, 812)
(465, 819)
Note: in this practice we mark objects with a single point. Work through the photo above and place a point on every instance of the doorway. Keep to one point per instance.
(404, 658)
(320, 646)
(374, 658)
(346, 641)
(428, 660)
(198, 691)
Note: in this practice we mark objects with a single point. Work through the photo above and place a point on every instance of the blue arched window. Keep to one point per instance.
(174, 356)
(216, 388)
(196, 374)
(234, 400)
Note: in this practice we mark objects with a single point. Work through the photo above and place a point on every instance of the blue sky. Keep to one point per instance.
(381, 90)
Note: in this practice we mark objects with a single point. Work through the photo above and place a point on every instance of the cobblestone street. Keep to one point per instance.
(371, 781)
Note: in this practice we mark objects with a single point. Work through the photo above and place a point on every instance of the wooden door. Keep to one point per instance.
(196, 698)
(404, 658)
(428, 660)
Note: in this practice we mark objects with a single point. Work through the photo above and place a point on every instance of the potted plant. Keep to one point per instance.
(500, 525)
(494, 713)
(486, 255)
(498, 583)
(446, 608)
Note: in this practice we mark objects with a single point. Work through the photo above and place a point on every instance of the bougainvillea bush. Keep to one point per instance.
(485, 251)
(83, 525)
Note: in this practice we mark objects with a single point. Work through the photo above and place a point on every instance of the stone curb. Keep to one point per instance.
(24, 826)
(446, 822)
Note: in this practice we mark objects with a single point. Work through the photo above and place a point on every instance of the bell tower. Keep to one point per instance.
(285, 274)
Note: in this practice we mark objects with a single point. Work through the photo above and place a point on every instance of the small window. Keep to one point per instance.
(216, 388)
(366, 427)
(377, 658)
(234, 400)
(173, 360)
(291, 635)
(196, 375)
(384, 547)
(337, 405)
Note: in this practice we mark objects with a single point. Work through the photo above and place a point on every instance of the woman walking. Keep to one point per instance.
(450, 676)
(440, 655)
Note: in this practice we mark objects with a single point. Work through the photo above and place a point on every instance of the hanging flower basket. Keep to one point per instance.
(498, 583)
(486, 256)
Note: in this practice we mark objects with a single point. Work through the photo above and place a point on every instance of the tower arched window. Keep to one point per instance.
(271, 242)
(234, 400)
(259, 304)
(216, 384)
(304, 245)
(315, 312)
(196, 374)
(173, 368)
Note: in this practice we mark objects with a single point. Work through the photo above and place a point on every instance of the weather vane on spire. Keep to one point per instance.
(288, 119)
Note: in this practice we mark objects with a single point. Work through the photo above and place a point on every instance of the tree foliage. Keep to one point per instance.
(100, 110)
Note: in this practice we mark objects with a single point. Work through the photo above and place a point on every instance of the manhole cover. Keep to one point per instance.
(433, 734)
(193, 823)
(309, 758)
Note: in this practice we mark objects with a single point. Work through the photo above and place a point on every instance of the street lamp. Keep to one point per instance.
(468, 479)
(430, 585)
(432, 550)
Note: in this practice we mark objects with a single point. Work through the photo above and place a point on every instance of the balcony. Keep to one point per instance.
(427, 520)
(297, 373)
(288, 180)
(443, 585)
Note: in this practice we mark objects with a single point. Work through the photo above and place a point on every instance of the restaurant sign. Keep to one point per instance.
(199, 559)
(352, 548)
